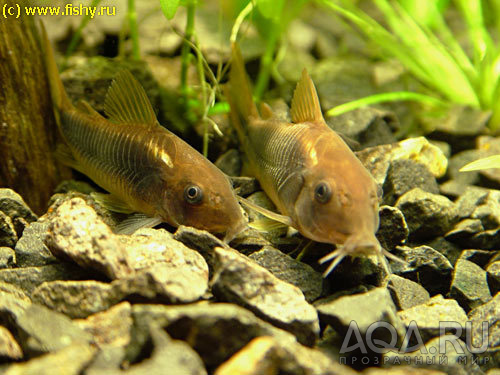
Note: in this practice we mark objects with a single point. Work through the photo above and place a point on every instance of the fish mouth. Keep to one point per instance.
(355, 245)
(359, 246)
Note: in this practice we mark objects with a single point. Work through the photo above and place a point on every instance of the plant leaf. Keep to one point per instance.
(169, 8)
(271, 9)
(480, 164)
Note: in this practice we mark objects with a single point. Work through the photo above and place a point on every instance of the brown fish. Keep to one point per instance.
(146, 168)
(307, 170)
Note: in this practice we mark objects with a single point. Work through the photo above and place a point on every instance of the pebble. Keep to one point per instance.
(427, 215)
(286, 268)
(261, 356)
(266, 355)
(7, 257)
(31, 249)
(240, 280)
(111, 327)
(393, 230)
(404, 175)
(406, 293)
(173, 356)
(42, 330)
(378, 159)
(468, 201)
(424, 265)
(13, 205)
(29, 278)
(465, 233)
(76, 299)
(479, 257)
(367, 125)
(206, 327)
(76, 232)
(8, 235)
(244, 186)
(363, 309)
(150, 262)
(9, 348)
(431, 315)
(70, 360)
(493, 276)
(469, 286)
(201, 241)
(446, 353)
(485, 337)
(229, 162)
(449, 249)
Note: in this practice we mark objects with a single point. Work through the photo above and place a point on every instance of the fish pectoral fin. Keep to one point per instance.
(127, 102)
(84, 106)
(305, 103)
(266, 225)
(112, 203)
(267, 213)
(135, 222)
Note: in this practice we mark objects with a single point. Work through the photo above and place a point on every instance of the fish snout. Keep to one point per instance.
(363, 244)
(235, 229)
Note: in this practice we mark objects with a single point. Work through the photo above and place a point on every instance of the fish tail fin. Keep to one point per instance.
(60, 99)
(239, 93)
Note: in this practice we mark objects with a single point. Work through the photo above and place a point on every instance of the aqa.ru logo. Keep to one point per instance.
(413, 333)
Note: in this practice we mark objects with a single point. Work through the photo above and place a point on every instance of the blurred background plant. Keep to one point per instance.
(417, 34)
(272, 18)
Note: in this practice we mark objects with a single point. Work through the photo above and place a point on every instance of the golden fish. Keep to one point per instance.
(307, 170)
(146, 168)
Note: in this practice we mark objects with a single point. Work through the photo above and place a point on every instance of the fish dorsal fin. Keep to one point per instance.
(127, 102)
(305, 102)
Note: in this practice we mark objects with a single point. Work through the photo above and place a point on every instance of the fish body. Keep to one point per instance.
(312, 176)
(145, 167)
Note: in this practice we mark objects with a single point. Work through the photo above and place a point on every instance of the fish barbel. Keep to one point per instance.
(311, 175)
(145, 167)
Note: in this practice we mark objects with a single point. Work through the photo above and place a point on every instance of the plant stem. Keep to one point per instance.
(203, 83)
(186, 47)
(78, 34)
(239, 20)
(134, 33)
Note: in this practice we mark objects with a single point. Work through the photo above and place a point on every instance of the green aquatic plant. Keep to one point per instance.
(209, 84)
(134, 33)
(481, 164)
(131, 23)
(427, 47)
(169, 9)
(75, 39)
(272, 18)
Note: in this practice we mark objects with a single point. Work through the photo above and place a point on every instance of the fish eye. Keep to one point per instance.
(323, 192)
(193, 194)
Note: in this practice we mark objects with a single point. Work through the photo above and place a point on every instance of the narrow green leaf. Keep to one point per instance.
(169, 8)
(382, 98)
(480, 164)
